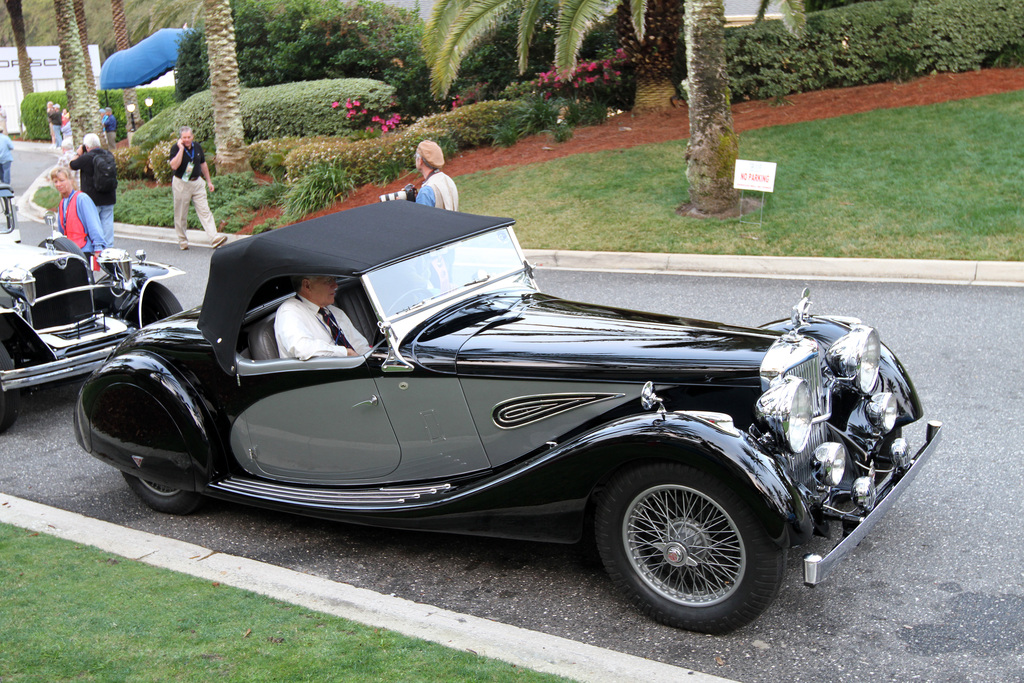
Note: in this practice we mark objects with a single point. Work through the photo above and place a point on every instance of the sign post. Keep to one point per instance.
(756, 176)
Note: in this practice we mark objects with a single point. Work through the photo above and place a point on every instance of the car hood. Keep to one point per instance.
(545, 336)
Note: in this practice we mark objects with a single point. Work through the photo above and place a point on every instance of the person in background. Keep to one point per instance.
(77, 218)
(65, 124)
(91, 161)
(438, 189)
(110, 128)
(3, 121)
(53, 116)
(188, 187)
(6, 157)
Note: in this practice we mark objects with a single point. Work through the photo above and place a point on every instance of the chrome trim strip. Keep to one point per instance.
(327, 497)
(20, 378)
(817, 568)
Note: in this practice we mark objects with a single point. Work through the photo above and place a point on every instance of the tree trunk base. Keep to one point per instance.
(654, 96)
(749, 205)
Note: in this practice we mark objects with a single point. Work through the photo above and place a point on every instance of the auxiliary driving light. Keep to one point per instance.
(829, 463)
(899, 453)
(864, 492)
(882, 411)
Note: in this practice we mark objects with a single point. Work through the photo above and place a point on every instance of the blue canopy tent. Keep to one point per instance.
(151, 58)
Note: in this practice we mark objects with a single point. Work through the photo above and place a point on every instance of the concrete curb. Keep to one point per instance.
(1006, 273)
(518, 646)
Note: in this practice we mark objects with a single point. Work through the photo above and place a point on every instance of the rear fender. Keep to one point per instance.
(164, 433)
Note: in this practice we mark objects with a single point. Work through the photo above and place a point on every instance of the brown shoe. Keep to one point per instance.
(219, 240)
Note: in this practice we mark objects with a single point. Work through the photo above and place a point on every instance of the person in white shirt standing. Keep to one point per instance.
(311, 326)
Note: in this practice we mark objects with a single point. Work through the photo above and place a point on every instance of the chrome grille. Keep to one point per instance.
(63, 310)
(802, 463)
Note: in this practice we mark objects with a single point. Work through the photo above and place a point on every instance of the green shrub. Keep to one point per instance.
(155, 205)
(294, 109)
(132, 163)
(157, 161)
(33, 113)
(963, 36)
(318, 189)
(160, 127)
(33, 109)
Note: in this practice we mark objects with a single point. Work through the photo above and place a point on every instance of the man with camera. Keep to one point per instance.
(98, 171)
(438, 189)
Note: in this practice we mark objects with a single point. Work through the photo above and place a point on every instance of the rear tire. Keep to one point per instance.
(687, 548)
(10, 399)
(164, 498)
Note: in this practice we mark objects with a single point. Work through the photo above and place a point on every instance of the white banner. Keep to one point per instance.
(754, 175)
(45, 62)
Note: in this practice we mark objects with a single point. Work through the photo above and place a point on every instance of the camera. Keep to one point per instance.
(407, 193)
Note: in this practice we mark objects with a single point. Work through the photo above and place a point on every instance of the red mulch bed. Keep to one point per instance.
(627, 130)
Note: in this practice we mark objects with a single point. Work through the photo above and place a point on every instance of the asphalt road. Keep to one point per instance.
(935, 593)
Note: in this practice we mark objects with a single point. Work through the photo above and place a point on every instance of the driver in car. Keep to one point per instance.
(311, 326)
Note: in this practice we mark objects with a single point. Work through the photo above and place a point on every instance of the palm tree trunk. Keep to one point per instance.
(82, 100)
(713, 147)
(652, 57)
(232, 153)
(83, 36)
(123, 42)
(18, 29)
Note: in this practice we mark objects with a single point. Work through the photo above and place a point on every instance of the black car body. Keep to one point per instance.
(60, 318)
(699, 451)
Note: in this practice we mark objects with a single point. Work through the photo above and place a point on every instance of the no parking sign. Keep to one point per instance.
(754, 175)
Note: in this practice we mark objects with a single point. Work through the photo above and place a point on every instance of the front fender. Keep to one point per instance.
(733, 457)
(140, 415)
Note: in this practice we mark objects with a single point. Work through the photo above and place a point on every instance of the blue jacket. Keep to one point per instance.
(6, 147)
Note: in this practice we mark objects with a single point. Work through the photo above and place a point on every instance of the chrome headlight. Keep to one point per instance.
(785, 410)
(116, 263)
(18, 281)
(855, 357)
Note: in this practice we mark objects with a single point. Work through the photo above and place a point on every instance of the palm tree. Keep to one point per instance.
(18, 29)
(714, 146)
(83, 37)
(82, 100)
(232, 153)
(647, 29)
(123, 43)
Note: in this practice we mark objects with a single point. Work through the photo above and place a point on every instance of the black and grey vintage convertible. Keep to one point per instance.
(697, 452)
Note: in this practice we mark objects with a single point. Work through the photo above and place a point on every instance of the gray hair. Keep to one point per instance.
(182, 130)
(91, 140)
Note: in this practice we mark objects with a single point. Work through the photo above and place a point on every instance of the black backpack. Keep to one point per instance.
(104, 171)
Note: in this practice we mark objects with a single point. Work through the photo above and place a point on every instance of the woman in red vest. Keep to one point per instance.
(77, 217)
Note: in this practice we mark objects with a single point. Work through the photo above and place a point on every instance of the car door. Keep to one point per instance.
(325, 432)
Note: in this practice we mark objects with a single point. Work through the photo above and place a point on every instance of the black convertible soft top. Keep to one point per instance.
(347, 243)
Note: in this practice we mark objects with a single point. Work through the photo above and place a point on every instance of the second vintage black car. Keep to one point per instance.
(698, 452)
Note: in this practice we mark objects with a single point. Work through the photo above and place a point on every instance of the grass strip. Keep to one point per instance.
(73, 612)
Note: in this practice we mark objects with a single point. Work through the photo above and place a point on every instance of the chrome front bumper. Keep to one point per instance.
(816, 567)
(54, 371)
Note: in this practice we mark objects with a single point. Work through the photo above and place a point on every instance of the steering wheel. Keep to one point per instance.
(409, 299)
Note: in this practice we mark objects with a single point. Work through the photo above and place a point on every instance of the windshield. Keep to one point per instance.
(447, 271)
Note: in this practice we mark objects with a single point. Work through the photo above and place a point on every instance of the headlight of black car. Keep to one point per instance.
(19, 282)
(855, 357)
(785, 410)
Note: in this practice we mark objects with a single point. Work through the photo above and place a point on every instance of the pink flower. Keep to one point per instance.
(591, 79)
(334, 105)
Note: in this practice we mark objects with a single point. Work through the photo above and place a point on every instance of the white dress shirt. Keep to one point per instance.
(301, 332)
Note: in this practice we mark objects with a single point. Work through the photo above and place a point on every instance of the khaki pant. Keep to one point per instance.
(111, 139)
(191, 192)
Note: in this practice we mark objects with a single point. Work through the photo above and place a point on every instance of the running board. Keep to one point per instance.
(328, 498)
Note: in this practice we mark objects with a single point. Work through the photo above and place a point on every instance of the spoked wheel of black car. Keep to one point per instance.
(158, 302)
(66, 245)
(164, 498)
(687, 548)
(10, 399)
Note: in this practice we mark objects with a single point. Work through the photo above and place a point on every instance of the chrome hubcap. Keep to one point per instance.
(683, 545)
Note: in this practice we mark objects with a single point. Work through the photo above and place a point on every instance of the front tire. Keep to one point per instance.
(10, 399)
(158, 303)
(687, 548)
(164, 498)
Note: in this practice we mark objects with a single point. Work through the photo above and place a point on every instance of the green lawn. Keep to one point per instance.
(74, 613)
(943, 181)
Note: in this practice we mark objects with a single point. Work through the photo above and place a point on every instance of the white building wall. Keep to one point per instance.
(47, 75)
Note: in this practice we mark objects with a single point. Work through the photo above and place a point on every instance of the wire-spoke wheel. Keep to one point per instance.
(687, 548)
